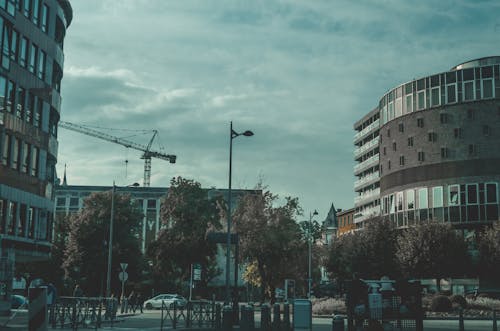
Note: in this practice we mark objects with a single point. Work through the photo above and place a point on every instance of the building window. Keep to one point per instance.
(14, 43)
(421, 100)
(451, 93)
(420, 122)
(409, 103)
(401, 160)
(34, 161)
(401, 127)
(487, 88)
(23, 52)
(45, 17)
(410, 141)
(486, 130)
(394, 146)
(33, 58)
(444, 152)
(453, 195)
(421, 156)
(388, 132)
(26, 151)
(6, 40)
(21, 102)
(35, 11)
(384, 151)
(443, 118)
(16, 147)
(435, 96)
(6, 150)
(432, 136)
(389, 165)
(472, 149)
(468, 91)
(27, 8)
(41, 65)
(11, 96)
(457, 132)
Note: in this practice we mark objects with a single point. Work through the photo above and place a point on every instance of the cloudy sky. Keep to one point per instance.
(297, 73)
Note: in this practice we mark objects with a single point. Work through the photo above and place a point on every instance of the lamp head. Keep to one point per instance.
(315, 212)
(248, 133)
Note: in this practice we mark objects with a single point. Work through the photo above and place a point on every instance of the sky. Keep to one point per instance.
(296, 73)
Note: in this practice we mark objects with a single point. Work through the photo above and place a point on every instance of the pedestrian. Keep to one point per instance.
(139, 301)
(131, 301)
(77, 292)
(123, 304)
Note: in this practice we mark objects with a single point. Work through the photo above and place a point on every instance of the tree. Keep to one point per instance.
(187, 215)
(271, 241)
(86, 252)
(432, 250)
(370, 253)
(489, 252)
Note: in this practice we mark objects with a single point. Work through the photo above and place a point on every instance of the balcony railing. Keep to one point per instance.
(366, 179)
(369, 145)
(366, 214)
(367, 195)
(368, 162)
(366, 130)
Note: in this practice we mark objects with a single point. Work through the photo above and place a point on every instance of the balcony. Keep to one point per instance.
(366, 147)
(365, 131)
(366, 179)
(365, 164)
(366, 214)
(369, 195)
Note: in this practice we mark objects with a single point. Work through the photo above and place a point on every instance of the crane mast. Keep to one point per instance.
(146, 149)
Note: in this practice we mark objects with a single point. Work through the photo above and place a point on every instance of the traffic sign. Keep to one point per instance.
(124, 266)
(123, 276)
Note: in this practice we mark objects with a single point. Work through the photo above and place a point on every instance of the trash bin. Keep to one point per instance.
(302, 315)
(337, 323)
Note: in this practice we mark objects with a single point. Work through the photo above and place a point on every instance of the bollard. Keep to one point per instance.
(244, 322)
(218, 317)
(276, 325)
(37, 308)
(265, 317)
(227, 318)
(461, 320)
(337, 323)
(286, 317)
(251, 317)
(494, 320)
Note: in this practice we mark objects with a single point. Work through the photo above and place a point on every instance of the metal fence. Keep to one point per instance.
(74, 312)
(201, 314)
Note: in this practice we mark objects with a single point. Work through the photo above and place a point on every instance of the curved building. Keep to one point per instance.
(438, 146)
(31, 69)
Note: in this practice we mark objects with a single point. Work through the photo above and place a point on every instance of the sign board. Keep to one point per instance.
(196, 271)
(221, 237)
(124, 266)
(123, 276)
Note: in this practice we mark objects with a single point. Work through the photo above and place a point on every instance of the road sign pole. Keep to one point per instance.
(191, 284)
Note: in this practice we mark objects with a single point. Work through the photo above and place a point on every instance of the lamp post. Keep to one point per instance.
(110, 242)
(232, 134)
(309, 240)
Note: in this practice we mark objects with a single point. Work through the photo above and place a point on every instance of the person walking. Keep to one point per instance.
(77, 292)
(139, 301)
(131, 301)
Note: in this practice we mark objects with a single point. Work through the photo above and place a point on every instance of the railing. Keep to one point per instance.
(372, 143)
(367, 195)
(366, 130)
(372, 160)
(199, 314)
(74, 312)
(366, 179)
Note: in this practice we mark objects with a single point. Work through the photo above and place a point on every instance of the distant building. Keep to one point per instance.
(430, 149)
(330, 226)
(31, 69)
(366, 154)
(69, 200)
(346, 221)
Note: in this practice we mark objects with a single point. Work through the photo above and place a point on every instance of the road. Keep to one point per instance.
(150, 321)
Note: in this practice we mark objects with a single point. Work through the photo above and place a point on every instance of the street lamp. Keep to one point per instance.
(233, 134)
(309, 240)
(110, 243)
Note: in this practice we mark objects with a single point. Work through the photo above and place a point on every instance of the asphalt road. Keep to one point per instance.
(150, 321)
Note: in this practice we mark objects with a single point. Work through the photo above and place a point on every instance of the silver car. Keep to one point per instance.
(168, 299)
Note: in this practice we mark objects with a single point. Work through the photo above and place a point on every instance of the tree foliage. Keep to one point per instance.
(271, 241)
(86, 252)
(432, 250)
(370, 253)
(187, 215)
(489, 250)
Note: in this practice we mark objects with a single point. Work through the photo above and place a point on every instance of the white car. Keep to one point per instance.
(168, 299)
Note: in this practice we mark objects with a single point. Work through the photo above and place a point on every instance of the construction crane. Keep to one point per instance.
(146, 149)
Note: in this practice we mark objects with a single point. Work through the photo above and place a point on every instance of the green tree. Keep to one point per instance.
(271, 241)
(187, 215)
(86, 252)
(370, 252)
(432, 250)
(489, 252)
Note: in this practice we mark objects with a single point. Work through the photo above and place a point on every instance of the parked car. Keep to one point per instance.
(168, 299)
(18, 301)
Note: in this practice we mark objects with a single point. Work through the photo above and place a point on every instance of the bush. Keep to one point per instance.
(441, 303)
(459, 300)
(328, 306)
(483, 304)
